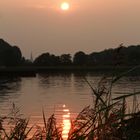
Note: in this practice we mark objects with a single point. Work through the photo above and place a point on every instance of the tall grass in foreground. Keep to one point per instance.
(107, 119)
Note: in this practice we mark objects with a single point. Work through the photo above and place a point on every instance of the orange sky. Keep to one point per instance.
(40, 26)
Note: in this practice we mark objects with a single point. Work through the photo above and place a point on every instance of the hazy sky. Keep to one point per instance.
(40, 26)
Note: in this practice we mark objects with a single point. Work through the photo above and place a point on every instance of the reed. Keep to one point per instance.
(107, 119)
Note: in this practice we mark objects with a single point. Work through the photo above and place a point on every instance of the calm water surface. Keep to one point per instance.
(62, 94)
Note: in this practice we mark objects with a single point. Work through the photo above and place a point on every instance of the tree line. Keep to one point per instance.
(123, 56)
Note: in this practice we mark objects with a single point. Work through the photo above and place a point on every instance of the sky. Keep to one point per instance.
(40, 26)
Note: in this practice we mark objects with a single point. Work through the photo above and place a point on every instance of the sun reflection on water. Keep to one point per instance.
(66, 122)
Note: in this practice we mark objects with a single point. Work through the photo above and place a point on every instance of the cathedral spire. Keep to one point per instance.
(31, 57)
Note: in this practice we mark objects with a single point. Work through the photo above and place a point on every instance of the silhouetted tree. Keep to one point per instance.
(46, 59)
(9, 55)
(80, 58)
(132, 55)
(124, 56)
(26, 62)
(65, 59)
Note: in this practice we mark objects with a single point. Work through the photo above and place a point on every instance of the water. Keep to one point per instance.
(64, 95)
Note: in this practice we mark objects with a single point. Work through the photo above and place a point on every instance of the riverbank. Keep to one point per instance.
(32, 71)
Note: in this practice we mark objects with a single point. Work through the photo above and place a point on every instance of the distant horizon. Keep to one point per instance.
(42, 26)
(72, 54)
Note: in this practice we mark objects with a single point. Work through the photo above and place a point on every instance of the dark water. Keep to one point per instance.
(55, 93)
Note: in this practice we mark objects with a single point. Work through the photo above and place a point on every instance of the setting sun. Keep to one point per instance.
(65, 6)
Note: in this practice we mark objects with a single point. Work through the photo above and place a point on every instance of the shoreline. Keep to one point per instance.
(31, 71)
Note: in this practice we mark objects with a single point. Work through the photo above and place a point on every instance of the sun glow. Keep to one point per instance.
(65, 6)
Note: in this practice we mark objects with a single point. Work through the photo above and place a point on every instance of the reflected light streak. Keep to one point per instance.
(66, 110)
(66, 123)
